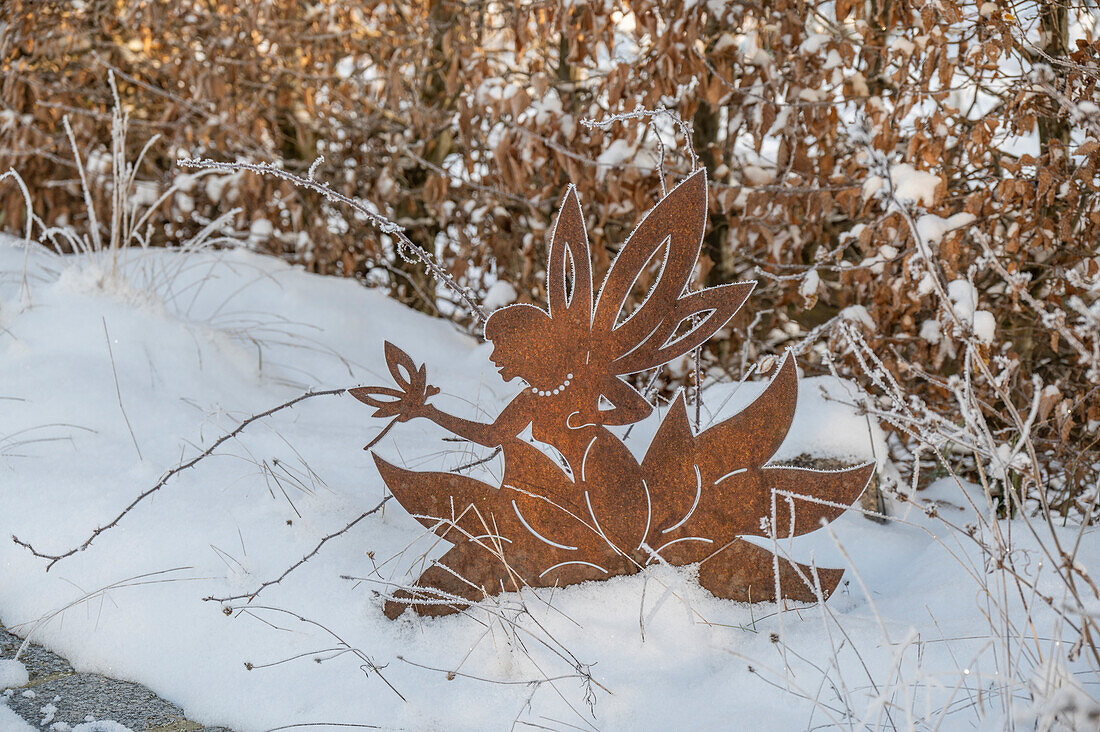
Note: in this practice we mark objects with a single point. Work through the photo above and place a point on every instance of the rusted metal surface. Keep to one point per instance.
(598, 512)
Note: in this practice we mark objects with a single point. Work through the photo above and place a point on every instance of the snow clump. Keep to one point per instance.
(13, 674)
(500, 293)
(964, 300)
(932, 228)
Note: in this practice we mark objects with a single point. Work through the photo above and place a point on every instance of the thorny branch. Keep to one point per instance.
(55, 558)
(467, 466)
(252, 595)
(380, 222)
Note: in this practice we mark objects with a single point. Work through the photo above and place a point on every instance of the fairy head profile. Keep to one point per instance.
(511, 330)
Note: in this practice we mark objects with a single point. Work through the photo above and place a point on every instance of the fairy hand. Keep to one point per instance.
(408, 401)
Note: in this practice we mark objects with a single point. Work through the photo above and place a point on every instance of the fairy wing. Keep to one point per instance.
(672, 233)
(569, 268)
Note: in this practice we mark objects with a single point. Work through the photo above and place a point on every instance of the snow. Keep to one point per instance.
(964, 301)
(858, 314)
(756, 176)
(904, 45)
(813, 43)
(1061, 697)
(345, 67)
(260, 231)
(725, 41)
(988, 9)
(500, 293)
(810, 95)
(618, 152)
(964, 298)
(224, 335)
(11, 722)
(932, 228)
(917, 186)
(931, 331)
(215, 186)
(12, 674)
(872, 185)
(984, 325)
(810, 284)
(548, 108)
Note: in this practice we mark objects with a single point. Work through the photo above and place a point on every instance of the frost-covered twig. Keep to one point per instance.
(380, 222)
(135, 581)
(368, 663)
(1056, 320)
(649, 114)
(118, 390)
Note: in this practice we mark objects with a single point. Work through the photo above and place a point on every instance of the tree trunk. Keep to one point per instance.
(1054, 129)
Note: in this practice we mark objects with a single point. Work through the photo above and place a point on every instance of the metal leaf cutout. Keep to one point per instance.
(412, 394)
(598, 512)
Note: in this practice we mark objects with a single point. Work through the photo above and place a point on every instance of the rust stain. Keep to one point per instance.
(600, 513)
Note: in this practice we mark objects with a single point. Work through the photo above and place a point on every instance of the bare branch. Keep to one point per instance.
(55, 558)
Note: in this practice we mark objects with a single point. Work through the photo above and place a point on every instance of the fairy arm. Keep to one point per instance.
(410, 400)
(507, 424)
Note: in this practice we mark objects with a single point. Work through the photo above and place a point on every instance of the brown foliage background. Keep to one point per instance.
(463, 123)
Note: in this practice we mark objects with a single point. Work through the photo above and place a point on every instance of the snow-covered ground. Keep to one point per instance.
(107, 382)
(10, 722)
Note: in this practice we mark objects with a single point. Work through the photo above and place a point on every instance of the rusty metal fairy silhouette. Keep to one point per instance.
(597, 512)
